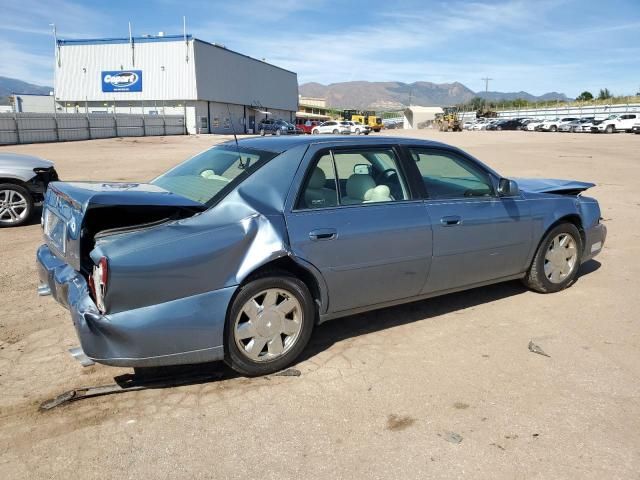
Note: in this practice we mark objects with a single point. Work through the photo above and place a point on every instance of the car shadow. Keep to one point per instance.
(332, 332)
(329, 333)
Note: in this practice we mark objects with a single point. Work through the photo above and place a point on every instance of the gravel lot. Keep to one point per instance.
(444, 388)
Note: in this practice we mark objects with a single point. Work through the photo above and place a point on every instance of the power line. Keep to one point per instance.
(486, 83)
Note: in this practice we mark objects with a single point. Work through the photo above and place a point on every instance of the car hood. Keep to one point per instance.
(17, 160)
(551, 185)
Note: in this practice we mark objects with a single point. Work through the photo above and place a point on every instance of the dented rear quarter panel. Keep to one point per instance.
(209, 251)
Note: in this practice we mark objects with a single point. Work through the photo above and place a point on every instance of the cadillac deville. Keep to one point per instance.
(238, 252)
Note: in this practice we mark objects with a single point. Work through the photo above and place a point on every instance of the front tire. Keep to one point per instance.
(609, 129)
(262, 132)
(16, 205)
(553, 128)
(556, 262)
(336, 131)
(269, 325)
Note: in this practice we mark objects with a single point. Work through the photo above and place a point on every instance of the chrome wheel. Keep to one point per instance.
(268, 325)
(13, 207)
(561, 258)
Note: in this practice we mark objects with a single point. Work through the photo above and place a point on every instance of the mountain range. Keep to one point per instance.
(395, 95)
(9, 86)
(359, 94)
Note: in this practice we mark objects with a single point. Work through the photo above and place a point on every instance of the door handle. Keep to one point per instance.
(323, 234)
(451, 221)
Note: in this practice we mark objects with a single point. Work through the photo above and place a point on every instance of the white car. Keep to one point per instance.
(482, 124)
(332, 126)
(468, 125)
(617, 123)
(358, 128)
(533, 124)
(552, 125)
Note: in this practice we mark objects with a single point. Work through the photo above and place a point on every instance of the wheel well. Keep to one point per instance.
(575, 220)
(15, 181)
(287, 265)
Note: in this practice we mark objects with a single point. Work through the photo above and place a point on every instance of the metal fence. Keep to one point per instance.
(552, 112)
(49, 127)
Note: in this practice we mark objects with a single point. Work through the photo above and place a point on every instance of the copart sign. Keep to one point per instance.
(122, 81)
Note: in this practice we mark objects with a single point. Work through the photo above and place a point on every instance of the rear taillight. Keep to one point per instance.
(98, 282)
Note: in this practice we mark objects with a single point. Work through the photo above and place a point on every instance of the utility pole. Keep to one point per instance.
(486, 83)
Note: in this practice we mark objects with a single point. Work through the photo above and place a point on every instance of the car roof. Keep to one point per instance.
(281, 144)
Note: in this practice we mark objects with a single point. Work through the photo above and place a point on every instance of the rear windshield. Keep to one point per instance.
(211, 174)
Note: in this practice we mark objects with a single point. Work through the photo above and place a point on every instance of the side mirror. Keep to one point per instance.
(362, 169)
(507, 188)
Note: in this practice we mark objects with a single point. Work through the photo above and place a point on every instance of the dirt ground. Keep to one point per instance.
(444, 388)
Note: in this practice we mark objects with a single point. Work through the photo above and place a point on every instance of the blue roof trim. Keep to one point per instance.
(108, 41)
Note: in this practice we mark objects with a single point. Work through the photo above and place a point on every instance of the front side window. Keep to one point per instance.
(204, 177)
(448, 175)
(354, 177)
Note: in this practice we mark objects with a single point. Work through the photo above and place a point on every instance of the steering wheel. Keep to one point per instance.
(389, 177)
(388, 174)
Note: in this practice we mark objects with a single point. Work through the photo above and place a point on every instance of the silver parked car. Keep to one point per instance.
(23, 181)
(240, 251)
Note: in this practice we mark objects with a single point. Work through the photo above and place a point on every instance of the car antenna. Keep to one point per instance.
(241, 165)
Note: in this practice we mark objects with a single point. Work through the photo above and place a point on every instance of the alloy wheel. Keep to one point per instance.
(13, 206)
(561, 258)
(268, 325)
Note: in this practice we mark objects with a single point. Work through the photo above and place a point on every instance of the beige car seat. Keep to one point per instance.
(316, 194)
(362, 188)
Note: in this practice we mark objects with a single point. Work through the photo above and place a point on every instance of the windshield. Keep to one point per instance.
(204, 177)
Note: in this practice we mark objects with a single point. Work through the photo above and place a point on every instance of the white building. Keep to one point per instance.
(215, 88)
(420, 117)
(25, 102)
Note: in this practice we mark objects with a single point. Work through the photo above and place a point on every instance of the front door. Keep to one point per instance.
(359, 224)
(477, 235)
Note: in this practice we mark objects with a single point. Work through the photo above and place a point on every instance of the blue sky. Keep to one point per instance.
(532, 45)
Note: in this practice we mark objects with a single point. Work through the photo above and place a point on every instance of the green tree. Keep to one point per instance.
(585, 96)
(477, 103)
(604, 94)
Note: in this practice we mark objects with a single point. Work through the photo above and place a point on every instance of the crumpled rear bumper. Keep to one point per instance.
(182, 331)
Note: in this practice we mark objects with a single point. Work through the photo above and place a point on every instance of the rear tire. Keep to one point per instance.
(240, 353)
(315, 132)
(553, 128)
(336, 132)
(537, 277)
(16, 205)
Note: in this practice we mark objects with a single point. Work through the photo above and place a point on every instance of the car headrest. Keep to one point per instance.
(381, 193)
(358, 184)
(318, 179)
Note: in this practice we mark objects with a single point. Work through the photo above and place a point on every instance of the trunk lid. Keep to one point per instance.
(551, 185)
(74, 212)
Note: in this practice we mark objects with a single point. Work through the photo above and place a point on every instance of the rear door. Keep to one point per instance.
(477, 236)
(360, 223)
(627, 121)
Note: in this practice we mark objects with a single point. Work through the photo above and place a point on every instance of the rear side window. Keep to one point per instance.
(448, 175)
(354, 177)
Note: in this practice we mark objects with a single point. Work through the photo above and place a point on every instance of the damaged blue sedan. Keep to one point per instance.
(238, 252)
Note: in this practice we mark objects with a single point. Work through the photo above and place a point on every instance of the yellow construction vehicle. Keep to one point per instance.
(448, 121)
(368, 118)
